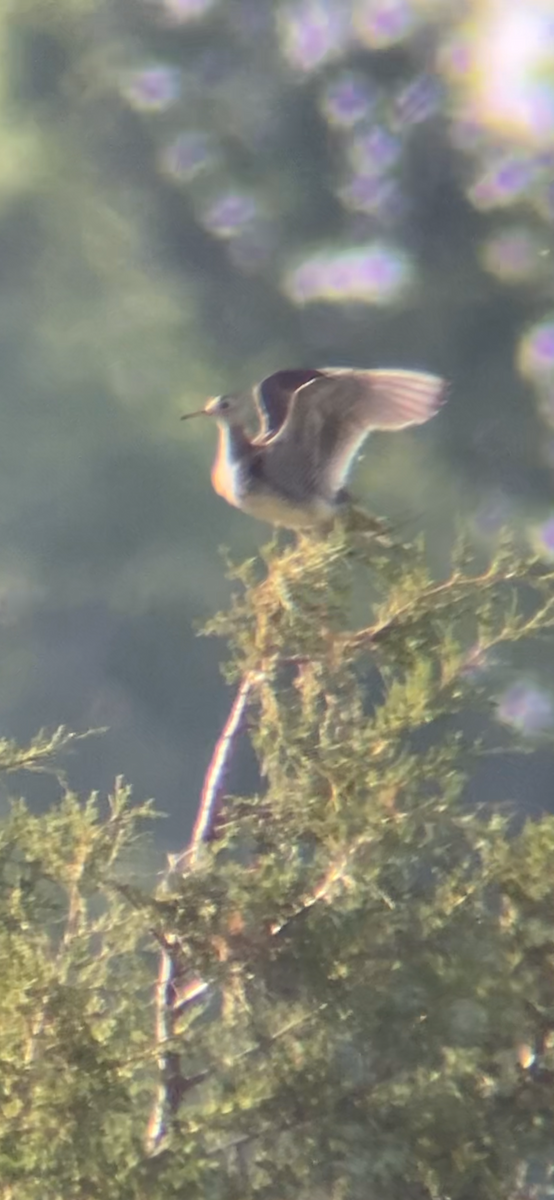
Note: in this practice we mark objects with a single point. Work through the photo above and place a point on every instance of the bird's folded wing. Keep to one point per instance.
(274, 394)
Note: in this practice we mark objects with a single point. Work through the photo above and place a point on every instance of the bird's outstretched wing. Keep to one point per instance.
(330, 416)
(273, 397)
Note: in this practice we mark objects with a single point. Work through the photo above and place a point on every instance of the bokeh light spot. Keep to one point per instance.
(347, 100)
(187, 156)
(526, 707)
(230, 214)
(513, 254)
(182, 11)
(313, 32)
(504, 182)
(543, 538)
(535, 356)
(153, 88)
(372, 195)
(383, 23)
(373, 152)
(417, 101)
(375, 273)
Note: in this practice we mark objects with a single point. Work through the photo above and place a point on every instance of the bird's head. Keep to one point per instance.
(229, 410)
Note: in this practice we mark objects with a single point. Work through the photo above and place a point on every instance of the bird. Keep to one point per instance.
(312, 424)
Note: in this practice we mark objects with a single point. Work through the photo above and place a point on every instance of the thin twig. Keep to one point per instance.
(373, 633)
(336, 873)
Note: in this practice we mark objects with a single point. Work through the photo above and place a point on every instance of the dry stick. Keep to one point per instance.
(172, 1083)
(174, 993)
(214, 784)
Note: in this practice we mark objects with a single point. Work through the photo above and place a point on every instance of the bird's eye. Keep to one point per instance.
(223, 404)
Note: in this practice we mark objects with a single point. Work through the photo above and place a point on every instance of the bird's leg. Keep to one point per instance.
(358, 520)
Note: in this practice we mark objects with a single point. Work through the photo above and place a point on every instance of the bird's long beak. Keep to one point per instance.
(200, 412)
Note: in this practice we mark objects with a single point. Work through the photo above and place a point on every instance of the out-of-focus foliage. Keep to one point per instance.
(75, 1022)
(377, 1016)
(315, 155)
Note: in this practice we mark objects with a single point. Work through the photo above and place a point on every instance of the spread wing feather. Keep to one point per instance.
(329, 417)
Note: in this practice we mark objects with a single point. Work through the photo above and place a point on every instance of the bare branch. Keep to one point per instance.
(172, 1083)
(218, 770)
(175, 992)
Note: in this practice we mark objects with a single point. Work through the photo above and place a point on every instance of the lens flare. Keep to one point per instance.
(509, 74)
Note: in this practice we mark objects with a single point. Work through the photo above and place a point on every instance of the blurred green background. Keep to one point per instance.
(193, 194)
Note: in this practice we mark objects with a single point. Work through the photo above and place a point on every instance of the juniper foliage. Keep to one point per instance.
(355, 992)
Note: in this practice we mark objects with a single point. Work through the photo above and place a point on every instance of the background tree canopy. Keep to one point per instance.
(193, 194)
